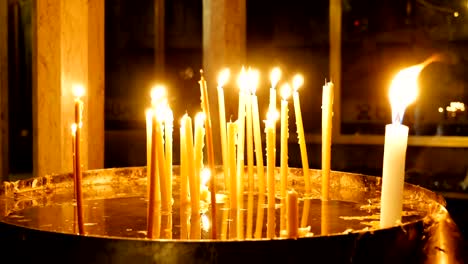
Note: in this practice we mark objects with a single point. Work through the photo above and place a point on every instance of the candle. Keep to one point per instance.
(260, 167)
(270, 149)
(152, 207)
(253, 77)
(183, 165)
(168, 126)
(231, 141)
(285, 93)
(222, 79)
(198, 152)
(157, 138)
(293, 221)
(187, 122)
(210, 151)
(78, 92)
(403, 91)
(327, 113)
(243, 86)
(297, 82)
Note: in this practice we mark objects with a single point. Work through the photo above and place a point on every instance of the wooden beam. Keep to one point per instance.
(224, 45)
(4, 153)
(63, 49)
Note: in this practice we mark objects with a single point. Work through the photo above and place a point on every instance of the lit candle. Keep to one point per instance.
(243, 86)
(198, 152)
(259, 162)
(187, 122)
(183, 166)
(169, 127)
(231, 141)
(285, 93)
(253, 77)
(293, 221)
(78, 92)
(297, 82)
(327, 113)
(403, 91)
(157, 138)
(270, 148)
(222, 79)
(210, 151)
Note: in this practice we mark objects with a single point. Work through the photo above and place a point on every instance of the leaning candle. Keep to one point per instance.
(285, 93)
(222, 79)
(403, 91)
(298, 80)
(260, 167)
(327, 113)
(78, 92)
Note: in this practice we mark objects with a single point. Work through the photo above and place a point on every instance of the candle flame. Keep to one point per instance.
(285, 91)
(73, 129)
(275, 76)
(404, 91)
(200, 118)
(242, 80)
(78, 90)
(297, 82)
(158, 94)
(223, 77)
(253, 79)
(205, 176)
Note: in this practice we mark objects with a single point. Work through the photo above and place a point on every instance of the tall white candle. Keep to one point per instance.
(270, 148)
(403, 91)
(327, 114)
(168, 127)
(222, 79)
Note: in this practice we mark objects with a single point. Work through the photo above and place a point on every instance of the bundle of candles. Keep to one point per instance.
(198, 194)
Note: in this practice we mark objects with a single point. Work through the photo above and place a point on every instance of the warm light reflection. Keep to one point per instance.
(223, 77)
(158, 94)
(456, 106)
(205, 223)
(242, 80)
(73, 129)
(285, 91)
(441, 109)
(78, 90)
(275, 76)
(297, 81)
(205, 176)
(253, 79)
(200, 118)
(404, 90)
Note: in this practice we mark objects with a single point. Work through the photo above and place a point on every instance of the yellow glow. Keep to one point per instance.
(404, 90)
(73, 129)
(455, 14)
(199, 118)
(78, 90)
(205, 176)
(441, 109)
(285, 91)
(297, 82)
(223, 77)
(275, 76)
(242, 80)
(158, 94)
(205, 222)
(456, 106)
(253, 79)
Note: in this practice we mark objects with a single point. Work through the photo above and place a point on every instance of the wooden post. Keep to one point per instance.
(4, 153)
(67, 42)
(159, 38)
(224, 45)
(335, 63)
